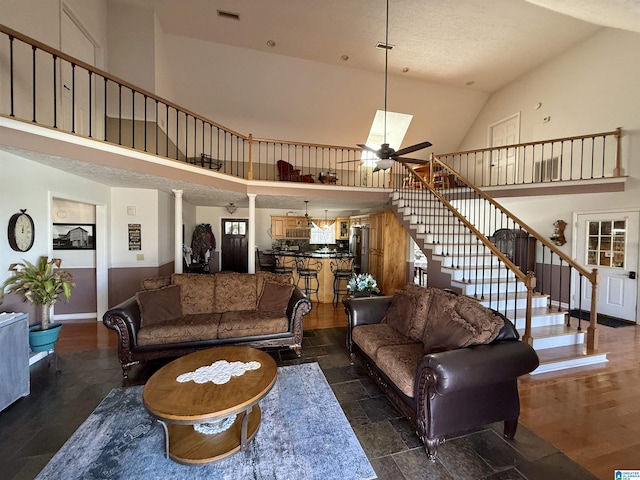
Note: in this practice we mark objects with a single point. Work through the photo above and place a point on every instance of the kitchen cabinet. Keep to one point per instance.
(289, 228)
(359, 220)
(342, 228)
(387, 251)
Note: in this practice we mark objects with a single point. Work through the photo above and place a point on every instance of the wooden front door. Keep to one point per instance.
(235, 245)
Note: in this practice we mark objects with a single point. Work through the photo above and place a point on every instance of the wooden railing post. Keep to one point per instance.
(530, 284)
(250, 172)
(592, 330)
(617, 171)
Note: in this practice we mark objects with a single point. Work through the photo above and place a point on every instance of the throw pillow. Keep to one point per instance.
(457, 322)
(160, 305)
(400, 314)
(155, 283)
(422, 301)
(275, 297)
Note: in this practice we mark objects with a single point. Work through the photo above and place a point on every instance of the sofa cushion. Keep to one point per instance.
(456, 322)
(251, 322)
(401, 312)
(399, 363)
(188, 328)
(275, 297)
(155, 282)
(371, 337)
(197, 291)
(159, 305)
(235, 292)
(422, 301)
(263, 277)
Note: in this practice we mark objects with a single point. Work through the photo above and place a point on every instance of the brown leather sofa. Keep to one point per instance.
(183, 313)
(447, 371)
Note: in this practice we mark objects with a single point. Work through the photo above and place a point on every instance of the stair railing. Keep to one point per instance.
(490, 249)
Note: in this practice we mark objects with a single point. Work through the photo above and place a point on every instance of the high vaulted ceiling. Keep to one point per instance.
(487, 42)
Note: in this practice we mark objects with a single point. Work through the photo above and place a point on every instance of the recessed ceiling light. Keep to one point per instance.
(344, 58)
(271, 43)
(405, 69)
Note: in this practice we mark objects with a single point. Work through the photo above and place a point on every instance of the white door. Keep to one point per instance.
(609, 242)
(75, 86)
(504, 161)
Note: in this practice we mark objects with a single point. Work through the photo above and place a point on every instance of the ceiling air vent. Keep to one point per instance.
(229, 15)
(384, 46)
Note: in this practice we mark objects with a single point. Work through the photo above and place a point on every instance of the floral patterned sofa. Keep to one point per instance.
(445, 361)
(182, 313)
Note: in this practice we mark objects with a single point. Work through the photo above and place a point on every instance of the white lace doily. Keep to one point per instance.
(218, 372)
(211, 428)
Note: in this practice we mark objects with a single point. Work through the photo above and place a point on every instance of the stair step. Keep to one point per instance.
(571, 356)
(514, 301)
(488, 272)
(553, 336)
(477, 288)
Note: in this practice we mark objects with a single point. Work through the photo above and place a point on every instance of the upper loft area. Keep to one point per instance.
(49, 88)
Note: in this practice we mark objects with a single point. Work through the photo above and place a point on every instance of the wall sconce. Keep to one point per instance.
(558, 233)
(231, 207)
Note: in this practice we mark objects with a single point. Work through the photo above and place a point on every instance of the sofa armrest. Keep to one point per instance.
(366, 310)
(475, 366)
(299, 305)
(125, 319)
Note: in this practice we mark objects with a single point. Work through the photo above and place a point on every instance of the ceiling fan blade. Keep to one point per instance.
(350, 161)
(419, 161)
(413, 148)
(367, 147)
(376, 170)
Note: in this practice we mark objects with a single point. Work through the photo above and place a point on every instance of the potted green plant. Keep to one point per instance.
(42, 284)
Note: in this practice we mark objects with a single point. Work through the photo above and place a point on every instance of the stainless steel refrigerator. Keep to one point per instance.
(359, 248)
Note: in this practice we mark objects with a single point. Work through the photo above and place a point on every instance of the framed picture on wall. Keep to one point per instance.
(74, 236)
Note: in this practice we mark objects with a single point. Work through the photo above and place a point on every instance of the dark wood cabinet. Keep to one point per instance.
(518, 246)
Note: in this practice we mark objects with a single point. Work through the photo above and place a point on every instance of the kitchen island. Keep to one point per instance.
(325, 277)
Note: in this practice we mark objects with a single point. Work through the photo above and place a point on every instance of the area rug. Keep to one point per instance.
(602, 319)
(304, 434)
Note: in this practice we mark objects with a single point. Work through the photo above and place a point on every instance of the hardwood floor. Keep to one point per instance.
(592, 414)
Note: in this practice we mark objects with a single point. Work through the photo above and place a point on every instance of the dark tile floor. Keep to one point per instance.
(35, 427)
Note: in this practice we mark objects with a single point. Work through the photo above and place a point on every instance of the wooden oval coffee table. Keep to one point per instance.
(188, 408)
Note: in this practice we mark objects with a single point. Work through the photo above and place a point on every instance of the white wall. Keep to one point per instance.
(273, 96)
(166, 227)
(591, 88)
(131, 44)
(145, 203)
(30, 185)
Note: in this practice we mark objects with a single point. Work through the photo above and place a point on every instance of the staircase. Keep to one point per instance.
(458, 260)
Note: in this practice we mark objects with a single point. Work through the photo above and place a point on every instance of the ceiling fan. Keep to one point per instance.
(386, 154)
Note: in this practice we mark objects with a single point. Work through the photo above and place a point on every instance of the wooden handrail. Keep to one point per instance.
(304, 144)
(529, 144)
(590, 275)
(14, 34)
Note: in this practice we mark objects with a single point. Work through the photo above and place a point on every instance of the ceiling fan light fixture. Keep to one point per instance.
(385, 163)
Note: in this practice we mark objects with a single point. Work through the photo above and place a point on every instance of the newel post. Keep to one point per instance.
(530, 284)
(250, 172)
(592, 329)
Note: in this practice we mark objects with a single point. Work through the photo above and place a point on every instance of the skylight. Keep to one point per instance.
(397, 126)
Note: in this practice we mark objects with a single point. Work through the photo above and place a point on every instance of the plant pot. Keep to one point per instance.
(44, 340)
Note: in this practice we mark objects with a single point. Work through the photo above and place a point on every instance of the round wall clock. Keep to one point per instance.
(21, 231)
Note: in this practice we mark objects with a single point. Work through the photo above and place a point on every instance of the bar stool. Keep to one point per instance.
(342, 269)
(308, 268)
(283, 264)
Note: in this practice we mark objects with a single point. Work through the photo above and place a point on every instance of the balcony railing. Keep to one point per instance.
(585, 157)
(45, 86)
